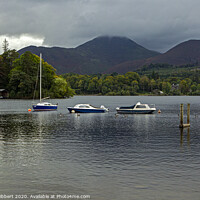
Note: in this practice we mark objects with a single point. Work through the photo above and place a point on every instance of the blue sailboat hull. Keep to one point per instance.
(44, 108)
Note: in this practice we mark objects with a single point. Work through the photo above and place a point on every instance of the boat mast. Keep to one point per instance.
(40, 77)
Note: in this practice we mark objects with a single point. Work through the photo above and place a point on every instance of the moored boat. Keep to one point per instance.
(87, 108)
(43, 106)
(138, 108)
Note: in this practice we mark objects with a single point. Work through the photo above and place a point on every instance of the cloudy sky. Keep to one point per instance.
(154, 24)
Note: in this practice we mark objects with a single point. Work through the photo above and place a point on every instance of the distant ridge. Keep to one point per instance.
(184, 53)
(187, 52)
(114, 54)
(95, 56)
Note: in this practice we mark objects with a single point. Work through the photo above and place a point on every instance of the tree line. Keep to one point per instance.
(19, 75)
(132, 83)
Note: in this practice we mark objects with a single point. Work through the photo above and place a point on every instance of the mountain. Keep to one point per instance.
(95, 56)
(184, 53)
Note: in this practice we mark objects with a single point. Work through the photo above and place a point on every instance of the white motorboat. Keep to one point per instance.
(138, 108)
(87, 108)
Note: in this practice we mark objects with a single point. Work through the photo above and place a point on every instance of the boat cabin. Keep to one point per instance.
(83, 106)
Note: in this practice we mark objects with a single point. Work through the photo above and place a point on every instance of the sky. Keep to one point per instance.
(155, 24)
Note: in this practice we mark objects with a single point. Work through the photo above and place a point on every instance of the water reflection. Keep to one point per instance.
(25, 126)
(105, 155)
(22, 137)
(106, 139)
(182, 130)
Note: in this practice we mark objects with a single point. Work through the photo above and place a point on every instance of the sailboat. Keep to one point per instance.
(43, 106)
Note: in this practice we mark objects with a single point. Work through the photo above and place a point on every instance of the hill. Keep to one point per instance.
(183, 54)
(96, 56)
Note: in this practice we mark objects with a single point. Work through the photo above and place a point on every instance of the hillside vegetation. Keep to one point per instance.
(95, 56)
(155, 80)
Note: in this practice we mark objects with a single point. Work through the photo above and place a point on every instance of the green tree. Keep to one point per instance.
(5, 45)
(16, 78)
(195, 76)
(108, 84)
(135, 85)
(152, 84)
(22, 79)
(166, 87)
(174, 80)
(93, 86)
(198, 87)
(60, 88)
(144, 83)
(23, 75)
(155, 75)
(193, 88)
(184, 86)
(7, 59)
(2, 73)
(132, 76)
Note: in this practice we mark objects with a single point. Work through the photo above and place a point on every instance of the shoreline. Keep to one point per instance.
(104, 96)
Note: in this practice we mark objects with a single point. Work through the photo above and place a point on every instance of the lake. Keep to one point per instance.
(105, 156)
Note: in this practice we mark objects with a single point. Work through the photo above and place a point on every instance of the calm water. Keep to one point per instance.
(109, 157)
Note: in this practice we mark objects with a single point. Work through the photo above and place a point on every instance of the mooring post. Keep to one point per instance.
(188, 113)
(181, 116)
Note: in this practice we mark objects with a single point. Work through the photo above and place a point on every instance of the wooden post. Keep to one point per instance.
(181, 117)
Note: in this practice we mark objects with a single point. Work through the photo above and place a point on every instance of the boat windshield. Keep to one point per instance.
(83, 106)
(141, 106)
(128, 107)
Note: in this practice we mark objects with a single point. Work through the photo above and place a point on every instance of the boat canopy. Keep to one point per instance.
(127, 107)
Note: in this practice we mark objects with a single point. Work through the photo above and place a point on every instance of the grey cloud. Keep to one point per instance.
(155, 24)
